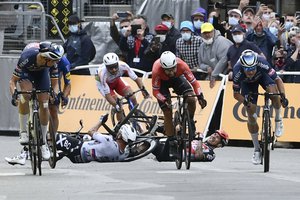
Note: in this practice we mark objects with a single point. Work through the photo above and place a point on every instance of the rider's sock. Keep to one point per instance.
(23, 122)
(44, 133)
(277, 114)
(255, 141)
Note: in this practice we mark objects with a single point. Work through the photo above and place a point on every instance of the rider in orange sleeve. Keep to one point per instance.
(171, 72)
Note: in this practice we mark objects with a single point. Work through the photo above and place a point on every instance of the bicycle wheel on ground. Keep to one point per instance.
(38, 134)
(266, 143)
(187, 135)
(180, 142)
(32, 149)
(52, 145)
(140, 122)
(141, 148)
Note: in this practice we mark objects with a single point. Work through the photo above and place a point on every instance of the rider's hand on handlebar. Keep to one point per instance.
(247, 101)
(167, 104)
(118, 108)
(145, 92)
(14, 98)
(202, 101)
(284, 101)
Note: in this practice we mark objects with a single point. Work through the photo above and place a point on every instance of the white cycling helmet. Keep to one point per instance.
(128, 132)
(51, 51)
(110, 59)
(168, 60)
(248, 60)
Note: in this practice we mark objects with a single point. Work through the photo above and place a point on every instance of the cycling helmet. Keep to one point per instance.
(128, 132)
(224, 137)
(51, 51)
(168, 60)
(248, 60)
(110, 59)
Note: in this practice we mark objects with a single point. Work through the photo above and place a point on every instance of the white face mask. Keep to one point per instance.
(233, 21)
(288, 25)
(124, 30)
(266, 17)
(198, 24)
(73, 28)
(211, 20)
(209, 41)
(162, 38)
(186, 36)
(238, 38)
(167, 24)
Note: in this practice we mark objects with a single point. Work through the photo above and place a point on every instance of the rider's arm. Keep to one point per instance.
(156, 82)
(182, 66)
(280, 85)
(13, 83)
(94, 128)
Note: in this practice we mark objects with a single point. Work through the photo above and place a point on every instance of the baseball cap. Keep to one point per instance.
(207, 27)
(249, 10)
(167, 15)
(198, 13)
(236, 11)
(161, 28)
(74, 19)
(238, 28)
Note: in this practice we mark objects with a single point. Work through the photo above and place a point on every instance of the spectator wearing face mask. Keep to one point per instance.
(79, 47)
(293, 61)
(263, 38)
(240, 44)
(173, 33)
(199, 16)
(234, 18)
(187, 48)
(212, 53)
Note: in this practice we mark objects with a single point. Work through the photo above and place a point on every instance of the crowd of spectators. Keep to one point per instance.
(211, 45)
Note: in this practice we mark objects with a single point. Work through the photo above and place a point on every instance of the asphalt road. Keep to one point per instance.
(230, 176)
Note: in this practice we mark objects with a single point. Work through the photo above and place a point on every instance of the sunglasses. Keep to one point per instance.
(170, 69)
(111, 67)
(278, 58)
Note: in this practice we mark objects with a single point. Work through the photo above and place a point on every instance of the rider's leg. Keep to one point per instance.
(53, 110)
(277, 107)
(168, 124)
(253, 126)
(44, 113)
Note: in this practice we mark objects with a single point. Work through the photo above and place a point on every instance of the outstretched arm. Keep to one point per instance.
(94, 128)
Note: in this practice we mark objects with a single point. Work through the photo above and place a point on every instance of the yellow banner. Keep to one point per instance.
(87, 103)
(234, 119)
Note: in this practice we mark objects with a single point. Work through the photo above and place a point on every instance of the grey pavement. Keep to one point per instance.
(230, 176)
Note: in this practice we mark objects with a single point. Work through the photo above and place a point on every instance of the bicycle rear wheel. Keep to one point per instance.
(180, 141)
(32, 149)
(52, 145)
(38, 134)
(266, 140)
(187, 134)
(140, 148)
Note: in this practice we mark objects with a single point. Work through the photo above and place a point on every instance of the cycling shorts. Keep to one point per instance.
(40, 79)
(119, 86)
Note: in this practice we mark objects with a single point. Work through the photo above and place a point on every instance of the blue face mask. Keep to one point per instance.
(273, 30)
(73, 28)
(198, 24)
(233, 21)
(211, 20)
(167, 24)
(288, 25)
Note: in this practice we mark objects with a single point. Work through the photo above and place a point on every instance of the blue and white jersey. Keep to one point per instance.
(64, 68)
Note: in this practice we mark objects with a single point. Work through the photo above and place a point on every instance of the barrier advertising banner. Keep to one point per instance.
(234, 119)
(87, 103)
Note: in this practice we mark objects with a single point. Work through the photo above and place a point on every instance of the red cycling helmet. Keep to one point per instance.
(224, 137)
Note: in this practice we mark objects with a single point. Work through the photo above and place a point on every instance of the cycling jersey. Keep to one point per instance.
(106, 82)
(208, 152)
(64, 67)
(159, 76)
(102, 149)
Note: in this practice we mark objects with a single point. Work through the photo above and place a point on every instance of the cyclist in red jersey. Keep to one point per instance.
(172, 72)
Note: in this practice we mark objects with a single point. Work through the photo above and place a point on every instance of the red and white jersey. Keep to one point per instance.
(105, 78)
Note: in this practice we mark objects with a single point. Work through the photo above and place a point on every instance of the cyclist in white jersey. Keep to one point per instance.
(109, 80)
(101, 148)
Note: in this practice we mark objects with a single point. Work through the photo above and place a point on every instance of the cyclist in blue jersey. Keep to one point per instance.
(63, 67)
(249, 72)
(36, 68)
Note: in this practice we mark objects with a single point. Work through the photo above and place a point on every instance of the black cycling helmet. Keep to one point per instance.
(51, 50)
(248, 60)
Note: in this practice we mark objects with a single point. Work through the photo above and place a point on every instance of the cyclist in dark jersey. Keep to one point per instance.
(249, 72)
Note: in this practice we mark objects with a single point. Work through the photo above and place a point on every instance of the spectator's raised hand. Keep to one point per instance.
(114, 17)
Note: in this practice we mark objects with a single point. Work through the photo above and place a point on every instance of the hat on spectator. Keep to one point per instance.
(236, 11)
(161, 29)
(167, 15)
(238, 28)
(207, 27)
(74, 19)
(249, 10)
(198, 13)
(188, 25)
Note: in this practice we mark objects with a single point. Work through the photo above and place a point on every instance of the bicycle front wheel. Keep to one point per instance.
(188, 136)
(38, 134)
(32, 149)
(266, 140)
(180, 142)
(142, 147)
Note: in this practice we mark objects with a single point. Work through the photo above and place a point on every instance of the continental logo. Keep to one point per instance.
(240, 114)
(83, 103)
